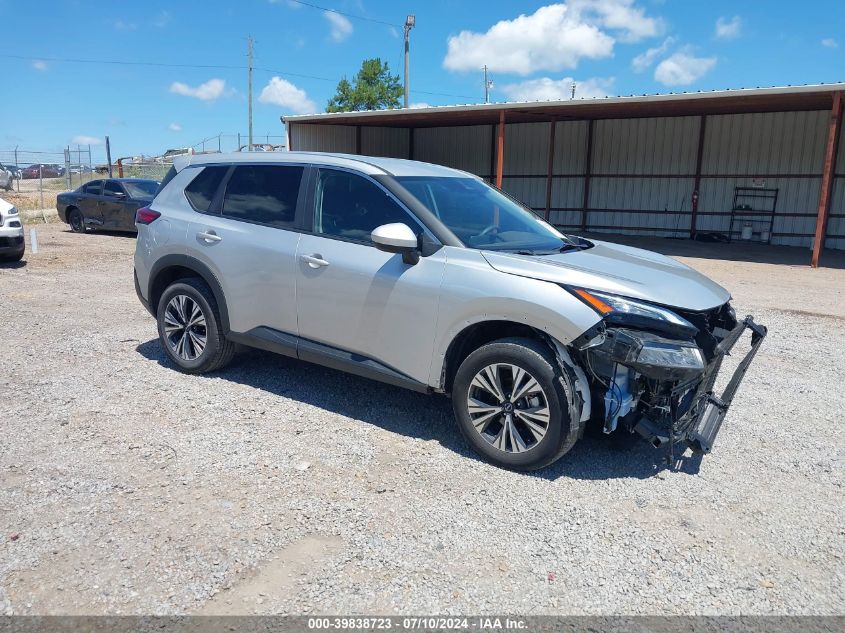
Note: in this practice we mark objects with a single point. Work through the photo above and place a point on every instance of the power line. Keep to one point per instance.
(121, 62)
(348, 15)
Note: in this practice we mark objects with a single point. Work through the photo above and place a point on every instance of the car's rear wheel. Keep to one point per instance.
(189, 327)
(76, 220)
(513, 404)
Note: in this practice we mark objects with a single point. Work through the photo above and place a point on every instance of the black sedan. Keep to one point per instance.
(105, 204)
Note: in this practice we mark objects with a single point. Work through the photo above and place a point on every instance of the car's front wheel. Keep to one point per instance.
(189, 327)
(76, 221)
(512, 403)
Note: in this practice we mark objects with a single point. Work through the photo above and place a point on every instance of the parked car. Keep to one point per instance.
(80, 169)
(105, 204)
(12, 245)
(7, 177)
(428, 278)
(43, 170)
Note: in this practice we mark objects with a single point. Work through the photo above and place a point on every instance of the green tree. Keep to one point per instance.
(373, 88)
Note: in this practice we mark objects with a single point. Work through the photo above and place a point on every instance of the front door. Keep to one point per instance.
(113, 206)
(355, 298)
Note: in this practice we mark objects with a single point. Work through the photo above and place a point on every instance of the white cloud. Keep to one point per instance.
(39, 64)
(174, 127)
(341, 28)
(728, 29)
(829, 42)
(208, 91)
(283, 93)
(547, 89)
(82, 139)
(682, 69)
(162, 19)
(421, 104)
(643, 61)
(554, 37)
(122, 25)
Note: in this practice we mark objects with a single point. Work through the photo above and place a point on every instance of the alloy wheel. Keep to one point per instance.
(508, 407)
(185, 327)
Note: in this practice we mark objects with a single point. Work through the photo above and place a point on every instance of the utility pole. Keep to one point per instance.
(108, 158)
(249, 55)
(410, 21)
(573, 90)
(488, 83)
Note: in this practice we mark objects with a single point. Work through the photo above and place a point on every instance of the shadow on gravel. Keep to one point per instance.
(102, 233)
(18, 264)
(417, 415)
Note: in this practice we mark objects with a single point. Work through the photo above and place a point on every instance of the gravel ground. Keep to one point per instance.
(281, 487)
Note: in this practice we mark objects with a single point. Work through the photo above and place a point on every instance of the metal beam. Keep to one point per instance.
(696, 187)
(500, 149)
(552, 127)
(833, 132)
(587, 171)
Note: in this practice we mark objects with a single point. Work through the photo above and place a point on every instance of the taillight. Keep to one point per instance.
(145, 215)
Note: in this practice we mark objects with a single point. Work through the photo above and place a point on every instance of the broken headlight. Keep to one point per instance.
(659, 354)
(631, 312)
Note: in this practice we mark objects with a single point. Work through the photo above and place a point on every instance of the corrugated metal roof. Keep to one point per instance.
(809, 97)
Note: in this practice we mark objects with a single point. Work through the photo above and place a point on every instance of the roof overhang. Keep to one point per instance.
(791, 98)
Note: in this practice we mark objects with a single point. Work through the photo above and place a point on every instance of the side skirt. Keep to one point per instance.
(295, 347)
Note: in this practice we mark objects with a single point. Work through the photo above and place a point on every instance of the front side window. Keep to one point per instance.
(95, 187)
(349, 206)
(265, 194)
(482, 217)
(200, 191)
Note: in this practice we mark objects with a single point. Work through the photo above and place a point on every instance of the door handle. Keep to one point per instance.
(314, 261)
(209, 236)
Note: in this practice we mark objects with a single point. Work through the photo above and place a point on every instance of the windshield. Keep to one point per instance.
(483, 217)
(141, 189)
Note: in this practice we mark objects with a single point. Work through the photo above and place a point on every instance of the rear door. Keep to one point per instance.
(246, 232)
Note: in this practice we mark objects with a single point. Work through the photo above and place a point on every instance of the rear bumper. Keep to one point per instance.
(141, 298)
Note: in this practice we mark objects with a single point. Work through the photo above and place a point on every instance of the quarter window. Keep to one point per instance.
(350, 207)
(265, 194)
(200, 191)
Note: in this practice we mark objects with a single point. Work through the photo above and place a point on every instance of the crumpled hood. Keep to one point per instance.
(623, 270)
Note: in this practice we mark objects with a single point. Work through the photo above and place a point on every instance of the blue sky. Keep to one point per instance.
(535, 50)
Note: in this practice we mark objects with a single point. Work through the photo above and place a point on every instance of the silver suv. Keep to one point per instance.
(428, 278)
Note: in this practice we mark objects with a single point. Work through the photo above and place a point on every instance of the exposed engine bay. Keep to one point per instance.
(657, 377)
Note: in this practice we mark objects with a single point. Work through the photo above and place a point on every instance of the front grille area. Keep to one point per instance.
(707, 322)
(8, 242)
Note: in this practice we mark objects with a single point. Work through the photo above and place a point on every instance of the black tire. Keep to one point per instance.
(16, 257)
(76, 220)
(539, 361)
(217, 351)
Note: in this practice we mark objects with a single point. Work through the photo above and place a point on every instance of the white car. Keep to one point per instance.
(11, 233)
(7, 178)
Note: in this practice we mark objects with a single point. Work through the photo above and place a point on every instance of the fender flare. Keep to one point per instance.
(201, 270)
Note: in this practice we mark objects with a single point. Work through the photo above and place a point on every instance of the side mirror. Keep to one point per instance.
(397, 238)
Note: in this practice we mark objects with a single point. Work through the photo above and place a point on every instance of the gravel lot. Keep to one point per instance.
(282, 487)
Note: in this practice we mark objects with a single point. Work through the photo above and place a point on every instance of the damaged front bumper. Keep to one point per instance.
(662, 388)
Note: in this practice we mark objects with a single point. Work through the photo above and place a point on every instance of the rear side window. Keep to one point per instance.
(265, 194)
(95, 188)
(200, 192)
